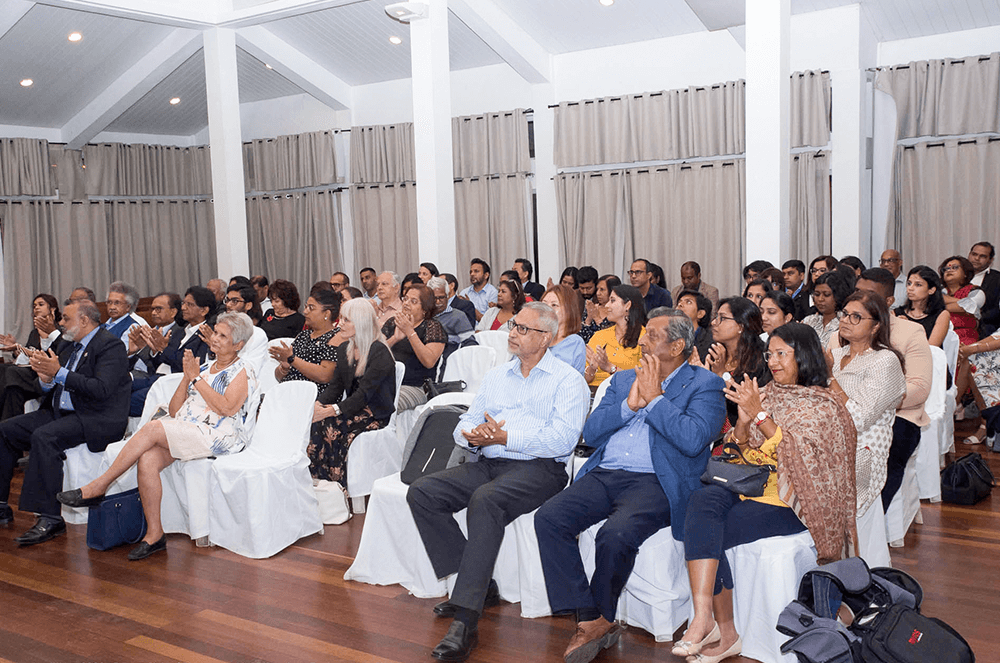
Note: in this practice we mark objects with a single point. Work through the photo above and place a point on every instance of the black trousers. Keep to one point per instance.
(496, 491)
(905, 440)
(18, 385)
(46, 436)
(635, 507)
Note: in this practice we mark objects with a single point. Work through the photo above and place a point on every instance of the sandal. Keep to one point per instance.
(685, 648)
(978, 438)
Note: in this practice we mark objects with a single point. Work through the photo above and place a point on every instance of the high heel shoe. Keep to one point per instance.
(732, 651)
(684, 648)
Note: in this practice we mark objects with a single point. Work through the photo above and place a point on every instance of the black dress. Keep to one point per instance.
(313, 350)
(428, 331)
(927, 322)
(286, 327)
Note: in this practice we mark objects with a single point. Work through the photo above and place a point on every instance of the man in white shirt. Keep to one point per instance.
(981, 256)
(893, 261)
(481, 293)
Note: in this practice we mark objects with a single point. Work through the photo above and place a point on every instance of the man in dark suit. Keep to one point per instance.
(87, 387)
(652, 433)
(524, 271)
(981, 256)
(457, 303)
(641, 276)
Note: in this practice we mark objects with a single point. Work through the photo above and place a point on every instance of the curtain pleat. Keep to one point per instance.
(382, 153)
(290, 162)
(385, 226)
(117, 169)
(810, 105)
(24, 167)
(809, 204)
(491, 219)
(490, 144)
(591, 207)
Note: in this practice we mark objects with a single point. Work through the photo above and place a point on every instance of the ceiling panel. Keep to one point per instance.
(906, 19)
(67, 75)
(352, 42)
(257, 82)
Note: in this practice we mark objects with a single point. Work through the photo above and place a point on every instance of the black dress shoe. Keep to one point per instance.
(6, 514)
(76, 499)
(43, 530)
(457, 643)
(144, 550)
(447, 608)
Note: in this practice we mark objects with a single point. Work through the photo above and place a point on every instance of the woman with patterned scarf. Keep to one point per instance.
(798, 425)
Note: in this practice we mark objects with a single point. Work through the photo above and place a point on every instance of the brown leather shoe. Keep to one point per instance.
(590, 638)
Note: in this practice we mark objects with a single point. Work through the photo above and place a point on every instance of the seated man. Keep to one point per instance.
(456, 302)
(652, 433)
(164, 313)
(88, 385)
(524, 422)
(122, 300)
(455, 323)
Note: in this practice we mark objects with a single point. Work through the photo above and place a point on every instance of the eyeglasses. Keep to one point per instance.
(723, 318)
(854, 318)
(524, 329)
(234, 300)
(951, 268)
(779, 354)
(818, 270)
(889, 261)
(637, 272)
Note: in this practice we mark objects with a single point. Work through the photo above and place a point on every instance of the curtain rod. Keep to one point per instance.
(981, 58)
(476, 178)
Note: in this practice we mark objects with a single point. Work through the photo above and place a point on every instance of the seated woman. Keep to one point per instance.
(776, 309)
(868, 378)
(796, 424)
(984, 355)
(311, 357)
(924, 303)
(698, 308)
(207, 416)
(567, 344)
(18, 382)
(365, 377)
(776, 278)
(756, 290)
(819, 266)
(510, 299)
(596, 312)
(283, 319)
(417, 341)
(829, 293)
(617, 347)
(962, 299)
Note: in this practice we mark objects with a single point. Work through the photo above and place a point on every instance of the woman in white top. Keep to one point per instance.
(510, 299)
(567, 345)
(829, 293)
(868, 378)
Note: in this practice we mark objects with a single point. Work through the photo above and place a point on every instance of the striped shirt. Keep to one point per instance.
(543, 413)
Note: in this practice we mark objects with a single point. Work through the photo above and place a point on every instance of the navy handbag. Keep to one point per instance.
(117, 520)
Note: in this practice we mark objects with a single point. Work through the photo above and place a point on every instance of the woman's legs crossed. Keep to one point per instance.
(149, 436)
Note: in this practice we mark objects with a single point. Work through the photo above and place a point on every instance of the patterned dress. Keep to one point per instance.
(987, 374)
(312, 350)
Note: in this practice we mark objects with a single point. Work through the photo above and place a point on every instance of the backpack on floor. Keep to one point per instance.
(886, 627)
(431, 446)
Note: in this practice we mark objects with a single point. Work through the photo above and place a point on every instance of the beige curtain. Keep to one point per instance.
(382, 153)
(385, 226)
(68, 174)
(115, 169)
(25, 168)
(298, 237)
(945, 97)
(492, 219)
(161, 245)
(946, 197)
(810, 100)
(594, 220)
(490, 144)
(290, 162)
(810, 210)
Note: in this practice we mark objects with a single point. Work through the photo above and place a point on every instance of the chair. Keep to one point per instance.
(374, 454)
(905, 506)
(470, 364)
(80, 467)
(261, 500)
(950, 347)
(873, 546)
(929, 451)
(498, 341)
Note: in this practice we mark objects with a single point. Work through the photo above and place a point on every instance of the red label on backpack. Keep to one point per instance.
(915, 637)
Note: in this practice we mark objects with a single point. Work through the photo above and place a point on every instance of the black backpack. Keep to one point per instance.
(431, 446)
(887, 626)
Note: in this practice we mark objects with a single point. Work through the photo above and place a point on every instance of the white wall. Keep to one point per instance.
(297, 114)
(981, 41)
(145, 139)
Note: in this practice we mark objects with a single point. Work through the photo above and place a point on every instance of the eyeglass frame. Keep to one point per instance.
(232, 300)
(522, 330)
(780, 354)
(854, 318)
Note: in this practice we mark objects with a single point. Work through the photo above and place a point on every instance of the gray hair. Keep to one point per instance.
(394, 275)
(436, 282)
(366, 331)
(239, 324)
(547, 317)
(130, 293)
(89, 310)
(680, 326)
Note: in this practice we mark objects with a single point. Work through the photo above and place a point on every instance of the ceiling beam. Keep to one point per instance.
(295, 66)
(508, 39)
(139, 79)
(12, 11)
(719, 14)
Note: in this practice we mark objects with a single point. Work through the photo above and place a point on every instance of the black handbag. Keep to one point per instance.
(117, 520)
(433, 389)
(967, 480)
(742, 478)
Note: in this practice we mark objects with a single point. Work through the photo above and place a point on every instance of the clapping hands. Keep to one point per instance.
(489, 432)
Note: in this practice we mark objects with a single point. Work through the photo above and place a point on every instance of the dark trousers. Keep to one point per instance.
(905, 440)
(18, 385)
(718, 520)
(46, 436)
(635, 507)
(496, 491)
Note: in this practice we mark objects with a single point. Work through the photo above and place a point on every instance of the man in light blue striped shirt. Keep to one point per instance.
(524, 423)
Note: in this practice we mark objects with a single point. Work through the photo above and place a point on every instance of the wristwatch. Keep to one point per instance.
(760, 418)
(291, 358)
(195, 381)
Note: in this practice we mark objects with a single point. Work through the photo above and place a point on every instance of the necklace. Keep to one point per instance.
(222, 368)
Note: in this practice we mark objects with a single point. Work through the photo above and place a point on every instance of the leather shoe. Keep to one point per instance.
(590, 638)
(6, 514)
(447, 608)
(457, 643)
(43, 530)
(76, 499)
(144, 550)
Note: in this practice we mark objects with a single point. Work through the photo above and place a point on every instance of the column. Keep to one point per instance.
(767, 129)
(227, 153)
(432, 138)
(549, 236)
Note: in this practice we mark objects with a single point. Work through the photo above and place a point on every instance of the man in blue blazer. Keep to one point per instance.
(652, 433)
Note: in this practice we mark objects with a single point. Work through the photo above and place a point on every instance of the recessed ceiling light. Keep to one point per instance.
(395, 40)
(268, 66)
(607, 3)
(27, 82)
(175, 101)
(75, 36)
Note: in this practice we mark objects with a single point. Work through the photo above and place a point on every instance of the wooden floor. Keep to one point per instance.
(60, 601)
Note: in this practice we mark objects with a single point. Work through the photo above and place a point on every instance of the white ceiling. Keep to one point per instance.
(345, 40)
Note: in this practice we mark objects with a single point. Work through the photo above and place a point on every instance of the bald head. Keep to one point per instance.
(892, 261)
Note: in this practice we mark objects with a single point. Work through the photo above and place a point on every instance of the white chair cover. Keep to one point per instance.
(471, 364)
(255, 351)
(766, 575)
(905, 506)
(950, 346)
(377, 453)
(872, 544)
(928, 464)
(498, 341)
(80, 467)
(262, 500)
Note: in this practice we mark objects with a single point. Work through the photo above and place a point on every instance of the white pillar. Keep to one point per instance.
(227, 152)
(549, 237)
(848, 164)
(767, 129)
(431, 75)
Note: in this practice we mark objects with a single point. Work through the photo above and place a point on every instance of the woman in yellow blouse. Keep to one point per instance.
(798, 425)
(617, 347)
